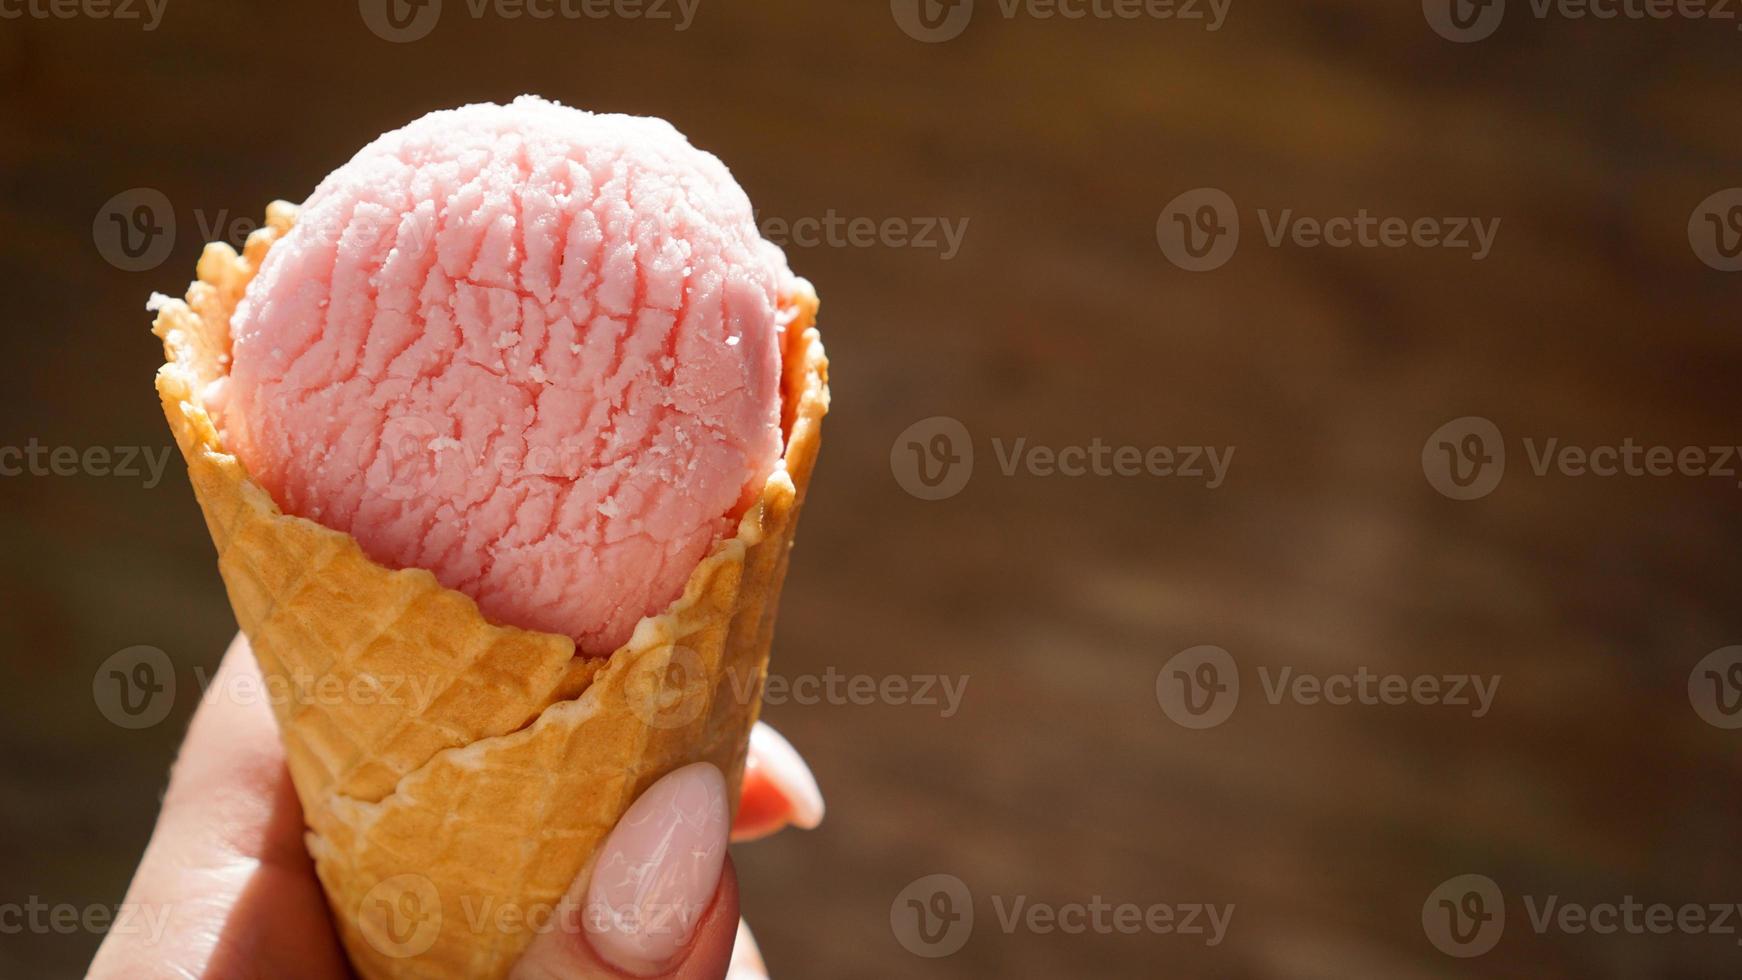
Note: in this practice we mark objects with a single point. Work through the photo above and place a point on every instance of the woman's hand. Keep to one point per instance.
(228, 868)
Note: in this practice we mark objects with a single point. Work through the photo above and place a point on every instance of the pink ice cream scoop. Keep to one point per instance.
(531, 349)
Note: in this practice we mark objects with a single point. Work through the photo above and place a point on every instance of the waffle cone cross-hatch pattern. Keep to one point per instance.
(456, 775)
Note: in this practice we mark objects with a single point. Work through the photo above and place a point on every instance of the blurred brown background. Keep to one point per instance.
(1060, 320)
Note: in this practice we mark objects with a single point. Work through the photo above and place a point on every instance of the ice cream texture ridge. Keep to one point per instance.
(533, 350)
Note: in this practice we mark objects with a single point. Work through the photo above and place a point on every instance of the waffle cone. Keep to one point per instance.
(455, 774)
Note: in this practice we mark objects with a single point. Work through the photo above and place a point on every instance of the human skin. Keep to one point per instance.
(227, 864)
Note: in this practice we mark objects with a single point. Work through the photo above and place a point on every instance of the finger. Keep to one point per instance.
(746, 957)
(779, 789)
(659, 899)
(230, 773)
(225, 885)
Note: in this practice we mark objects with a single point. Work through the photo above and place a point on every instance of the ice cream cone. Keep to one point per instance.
(456, 775)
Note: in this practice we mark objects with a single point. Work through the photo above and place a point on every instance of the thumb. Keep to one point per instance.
(659, 899)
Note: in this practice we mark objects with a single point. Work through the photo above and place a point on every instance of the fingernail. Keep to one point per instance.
(786, 769)
(657, 871)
